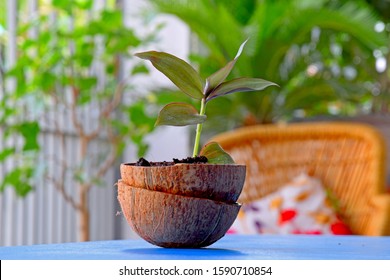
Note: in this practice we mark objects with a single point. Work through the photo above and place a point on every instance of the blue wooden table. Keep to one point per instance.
(233, 247)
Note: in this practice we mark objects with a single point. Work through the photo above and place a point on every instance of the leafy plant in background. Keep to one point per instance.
(69, 63)
(319, 52)
(190, 82)
(381, 100)
(18, 177)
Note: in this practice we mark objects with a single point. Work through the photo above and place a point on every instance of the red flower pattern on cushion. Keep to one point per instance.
(339, 228)
(313, 232)
(299, 207)
(287, 215)
(232, 231)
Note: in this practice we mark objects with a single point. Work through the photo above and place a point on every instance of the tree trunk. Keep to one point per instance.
(84, 234)
(84, 217)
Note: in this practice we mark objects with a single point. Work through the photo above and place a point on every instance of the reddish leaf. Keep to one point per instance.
(179, 114)
(218, 77)
(215, 154)
(239, 85)
(177, 70)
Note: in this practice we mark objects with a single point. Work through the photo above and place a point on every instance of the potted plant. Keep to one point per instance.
(190, 202)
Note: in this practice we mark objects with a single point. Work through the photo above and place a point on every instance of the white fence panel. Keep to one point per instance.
(44, 216)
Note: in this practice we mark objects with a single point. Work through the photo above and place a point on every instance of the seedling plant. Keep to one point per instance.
(189, 81)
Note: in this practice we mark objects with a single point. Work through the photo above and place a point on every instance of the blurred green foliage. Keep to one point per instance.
(69, 56)
(319, 52)
(381, 100)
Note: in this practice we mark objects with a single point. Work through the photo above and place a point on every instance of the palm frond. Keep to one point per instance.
(213, 24)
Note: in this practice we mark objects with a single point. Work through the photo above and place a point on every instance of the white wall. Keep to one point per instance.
(166, 142)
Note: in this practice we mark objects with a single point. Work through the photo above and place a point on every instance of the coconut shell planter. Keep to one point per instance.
(180, 205)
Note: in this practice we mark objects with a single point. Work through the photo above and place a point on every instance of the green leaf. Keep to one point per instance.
(112, 18)
(218, 77)
(179, 114)
(86, 83)
(6, 153)
(85, 4)
(239, 85)
(18, 179)
(63, 4)
(215, 154)
(177, 70)
(30, 132)
(139, 69)
(46, 80)
(138, 116)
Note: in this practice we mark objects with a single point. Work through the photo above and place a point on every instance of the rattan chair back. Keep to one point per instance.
(348, 158)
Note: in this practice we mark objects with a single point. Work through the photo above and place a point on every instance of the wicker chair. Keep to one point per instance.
(348, 158)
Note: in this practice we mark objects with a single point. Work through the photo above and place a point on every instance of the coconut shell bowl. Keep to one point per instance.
(180, 205)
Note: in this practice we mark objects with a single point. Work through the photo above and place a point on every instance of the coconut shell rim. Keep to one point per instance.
(184, 196)
(133, 164)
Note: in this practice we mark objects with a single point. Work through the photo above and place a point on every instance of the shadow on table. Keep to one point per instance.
(181, 253)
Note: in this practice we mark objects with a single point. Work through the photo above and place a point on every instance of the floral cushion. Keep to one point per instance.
(300, 207)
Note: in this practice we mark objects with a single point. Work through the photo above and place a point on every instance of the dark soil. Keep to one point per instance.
(197, 159)
(192, 160)
(143, 162)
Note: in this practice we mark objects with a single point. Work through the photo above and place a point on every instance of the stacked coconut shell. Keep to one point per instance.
(180, 205)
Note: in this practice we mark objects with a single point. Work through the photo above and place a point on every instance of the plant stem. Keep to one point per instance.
(199, 128)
